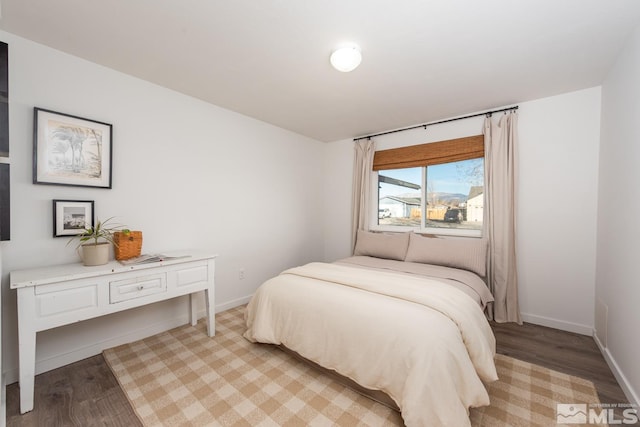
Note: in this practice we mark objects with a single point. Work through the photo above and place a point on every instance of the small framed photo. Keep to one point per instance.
(70, 217)
(70, 150)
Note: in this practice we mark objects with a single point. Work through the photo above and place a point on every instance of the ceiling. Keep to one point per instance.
(423, 60)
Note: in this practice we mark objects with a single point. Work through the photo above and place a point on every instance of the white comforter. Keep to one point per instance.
(424, 343)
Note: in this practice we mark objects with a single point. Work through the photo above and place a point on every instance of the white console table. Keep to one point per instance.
(60, 295)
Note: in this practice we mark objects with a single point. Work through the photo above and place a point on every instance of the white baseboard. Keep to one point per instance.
(626, 387)
(558, 324)
(57, 361)
(231, 304)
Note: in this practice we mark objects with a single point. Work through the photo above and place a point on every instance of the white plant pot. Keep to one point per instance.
(93, 254)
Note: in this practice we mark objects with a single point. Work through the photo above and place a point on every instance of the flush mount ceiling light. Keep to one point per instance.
(346, 58)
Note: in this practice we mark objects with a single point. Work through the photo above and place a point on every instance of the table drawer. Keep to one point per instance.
(124, 290)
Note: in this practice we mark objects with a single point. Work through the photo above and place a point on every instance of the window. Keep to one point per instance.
(445, 195)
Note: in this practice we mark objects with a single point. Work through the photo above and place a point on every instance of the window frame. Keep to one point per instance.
(440, 231)
(408, 156)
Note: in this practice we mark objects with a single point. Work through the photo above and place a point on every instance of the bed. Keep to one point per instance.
(390, 321)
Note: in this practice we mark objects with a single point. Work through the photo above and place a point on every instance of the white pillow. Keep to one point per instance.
(467, 254)
(382, 245)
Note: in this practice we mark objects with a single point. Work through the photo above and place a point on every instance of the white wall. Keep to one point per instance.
(617, 285)
(557, 209)
(186, 173)
(556, 223)
(180, 164)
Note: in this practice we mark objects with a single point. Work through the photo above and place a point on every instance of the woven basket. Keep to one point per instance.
(127, 245)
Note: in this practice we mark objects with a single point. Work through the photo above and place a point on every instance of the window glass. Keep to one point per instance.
(400, 197)
(453, 196)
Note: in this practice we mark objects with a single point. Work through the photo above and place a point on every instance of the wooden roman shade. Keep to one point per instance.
(434, 153)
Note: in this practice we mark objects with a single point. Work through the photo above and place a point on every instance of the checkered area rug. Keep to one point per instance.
(527, 395)
(184, 378)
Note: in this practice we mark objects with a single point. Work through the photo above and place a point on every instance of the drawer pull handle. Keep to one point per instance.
(140, 287)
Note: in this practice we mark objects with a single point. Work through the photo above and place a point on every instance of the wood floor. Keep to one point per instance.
(573, 354)
(87, 394)
(84, 393)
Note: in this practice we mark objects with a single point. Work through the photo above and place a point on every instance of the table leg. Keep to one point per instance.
(26, 348)
(192, 308)
(211, 311)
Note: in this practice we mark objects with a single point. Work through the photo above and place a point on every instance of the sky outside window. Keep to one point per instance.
(455, 178)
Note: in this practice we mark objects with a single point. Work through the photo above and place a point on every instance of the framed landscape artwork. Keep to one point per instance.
(70, 217)
(70, 150)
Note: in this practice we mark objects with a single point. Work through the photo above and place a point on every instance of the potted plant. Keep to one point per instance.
(93, 242)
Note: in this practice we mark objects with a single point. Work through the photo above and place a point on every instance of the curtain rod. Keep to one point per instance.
(424, 125)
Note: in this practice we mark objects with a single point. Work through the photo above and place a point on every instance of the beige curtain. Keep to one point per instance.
(500, 143)
(362, 167)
